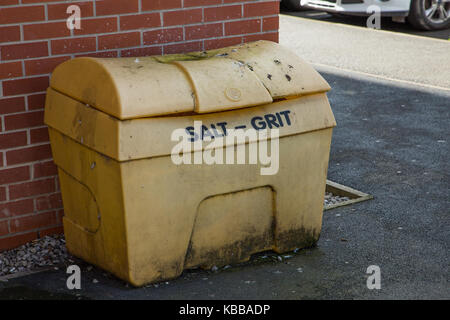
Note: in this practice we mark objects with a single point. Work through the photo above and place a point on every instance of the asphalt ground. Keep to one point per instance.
(392, 141)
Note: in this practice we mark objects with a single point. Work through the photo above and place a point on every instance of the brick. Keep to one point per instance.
(34, 221)
(148, 5)
(2, 194)
(17, 240)
(52, 201)
(104, 54)
(272, 36)
(29, 154)
(24, 120)
(10, 70)
(141, 52)
(36, 101)
(102, 25)
(140, 21)
(261, 9)
(73, 45)
(51, 231)
(183, 47)
(119, 40)
(60, 213)
(12, 175)
(222, 13)
(27, 85)
(4, 229)
(45, 31)
(39, 1)
(11, 105)
(198, 3)
(163, 36)
(9, 2)
(204, 31)
(222, 42)
(21, 14)
(234, 1)
(43, 66)
(10, 33)
(16, 208)
(242, 27)
(271, 23)
(32, 188)
(44, 169)
(13, 139)
(182, 17)
(24, 50)
(59, 11)
(107, 7)
(39, 135)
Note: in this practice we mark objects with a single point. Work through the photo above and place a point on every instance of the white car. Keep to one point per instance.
(422, 14)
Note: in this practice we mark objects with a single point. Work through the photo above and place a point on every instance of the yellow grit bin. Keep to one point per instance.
(133, 211)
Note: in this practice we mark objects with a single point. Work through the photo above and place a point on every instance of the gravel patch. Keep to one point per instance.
(44, 252)
(331, 199)
(51, 250)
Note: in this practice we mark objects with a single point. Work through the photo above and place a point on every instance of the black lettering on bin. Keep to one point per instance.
(223, 126)
(260, 125)
(286, 116)
(271, 121)
(191, 132)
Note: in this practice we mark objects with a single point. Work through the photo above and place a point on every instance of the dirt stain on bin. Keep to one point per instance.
(237, 252)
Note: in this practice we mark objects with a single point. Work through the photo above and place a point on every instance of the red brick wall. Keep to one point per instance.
(34, 39)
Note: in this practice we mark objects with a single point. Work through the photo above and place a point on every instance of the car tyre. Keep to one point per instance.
(429, 14)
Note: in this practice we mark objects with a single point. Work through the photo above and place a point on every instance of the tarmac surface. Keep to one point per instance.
(392, 141)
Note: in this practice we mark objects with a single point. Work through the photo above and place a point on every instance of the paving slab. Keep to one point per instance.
(387, 54)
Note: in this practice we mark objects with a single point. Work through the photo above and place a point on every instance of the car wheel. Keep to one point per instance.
(430, 14)
(293, 5)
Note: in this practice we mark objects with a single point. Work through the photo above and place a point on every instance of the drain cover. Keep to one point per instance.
(337, 195)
